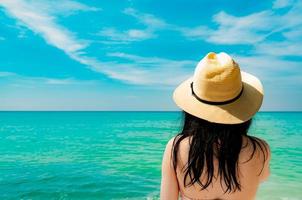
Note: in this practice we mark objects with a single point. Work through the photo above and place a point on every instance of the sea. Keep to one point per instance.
(117, 155)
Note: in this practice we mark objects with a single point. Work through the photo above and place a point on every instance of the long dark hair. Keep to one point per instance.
(209, 140)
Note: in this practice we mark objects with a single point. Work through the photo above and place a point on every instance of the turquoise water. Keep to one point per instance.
(117, 155)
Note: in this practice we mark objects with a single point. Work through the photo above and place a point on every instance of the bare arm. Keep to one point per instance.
(169, 185)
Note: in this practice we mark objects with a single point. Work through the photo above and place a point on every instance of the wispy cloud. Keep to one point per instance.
(66, 81)
(255, 30)
(282, 3)
(149, 20)
(234, 30)
(62, 7)
(267, 66)
(282, 48)
(154, 70)
(157, 71)
(242, 30)
(231, 29)
(195, 33)
(252, 29)
(43, 24)
(141, 70)
(6, 74)
(290, 29)
(151, 23)
(116, 36)
(22, 80)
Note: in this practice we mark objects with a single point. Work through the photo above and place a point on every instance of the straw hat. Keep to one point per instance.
(219, 91)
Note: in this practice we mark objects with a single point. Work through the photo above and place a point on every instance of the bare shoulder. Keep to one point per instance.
(264, 152)
(170, 143)
(266, 149)
(255, 157)
(255, 150)
(169, 147)
(263, 147)
(260, 145)
(182, 143)
(169, 151)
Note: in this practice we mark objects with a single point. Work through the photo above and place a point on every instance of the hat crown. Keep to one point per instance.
(217, 78)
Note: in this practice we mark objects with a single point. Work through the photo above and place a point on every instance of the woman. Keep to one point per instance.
(213, 157)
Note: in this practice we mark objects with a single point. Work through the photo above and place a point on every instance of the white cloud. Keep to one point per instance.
(231, 29)
(66, 81)
(21, 80)
(6, 74)
(148, 71)
(151, 23)
(284, 48)
(251, 29)
(147, 19)
(155, 71)
(43, 24)
(199, 32)
(62, 7)
(293, 34)
(234, 30)
(242, 30)
(290, 27)
(131, 35)
(255, 30)
(282, 3)
(153, 61)
(59, 7)
(142, 70)
(267, 65)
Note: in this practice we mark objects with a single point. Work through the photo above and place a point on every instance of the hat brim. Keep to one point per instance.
(236, 112)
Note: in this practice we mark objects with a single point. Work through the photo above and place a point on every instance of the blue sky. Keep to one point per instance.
(130, 55)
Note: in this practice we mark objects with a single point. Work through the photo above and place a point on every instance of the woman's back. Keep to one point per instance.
(251, 171)
(213, 157)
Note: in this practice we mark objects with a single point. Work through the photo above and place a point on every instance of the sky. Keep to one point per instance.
(130, 55)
